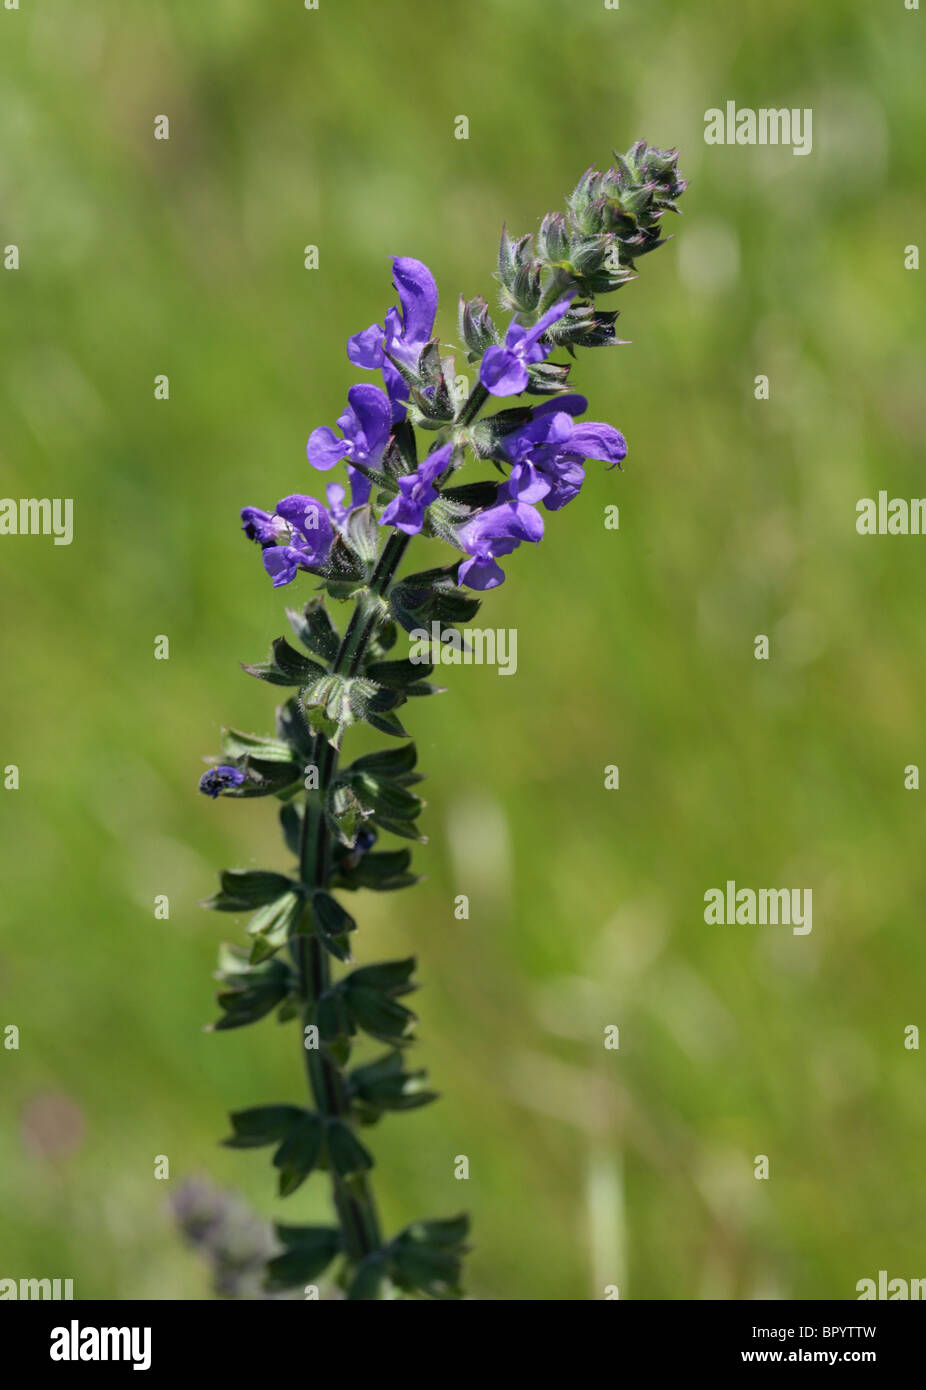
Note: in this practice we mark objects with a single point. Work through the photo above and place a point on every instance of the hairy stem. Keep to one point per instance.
(353, 1198)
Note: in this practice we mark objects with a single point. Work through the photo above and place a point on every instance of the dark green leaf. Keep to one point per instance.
(310, 1250)
(299, 1152)
(345, 1152)
(245, 889)
(315, 630)
(262, 1124)
(268, 750)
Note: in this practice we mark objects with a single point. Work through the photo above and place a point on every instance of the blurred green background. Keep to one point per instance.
(139, 257)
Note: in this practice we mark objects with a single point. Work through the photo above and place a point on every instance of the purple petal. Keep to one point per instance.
(435, 464)
(573, 404)
(538, 329)
(502, 373)
(597, 441)
(360, 487)
(310, 518)
(397, 388)
(366, 349)
(324, 449)
(525, 484)
(508, 521)
(373, 413)
(480, 574)
(405, 514)
(260, 526)
(335, 493)
(282, 563)
(566, 486)
(418, 297)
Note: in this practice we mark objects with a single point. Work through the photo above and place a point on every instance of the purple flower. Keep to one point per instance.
(496, 531)
(405, 333)
(336, 493)
(416, 492)
(304, 527)
(365, 425)
(261, 526)
(219, 779)
(503, 371)
(548, 453)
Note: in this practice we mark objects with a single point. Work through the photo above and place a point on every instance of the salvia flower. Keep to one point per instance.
(336, 493)
(262, 526)
(416, 493)
(549, 452)
(304, 527)
(300, 930)
(497, 531)
(404, 334)
(220, 779)
(364, 426)
(503, 371)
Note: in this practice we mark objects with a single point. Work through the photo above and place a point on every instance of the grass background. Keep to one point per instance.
(140, 257)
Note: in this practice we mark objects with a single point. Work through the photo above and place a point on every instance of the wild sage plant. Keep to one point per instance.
(403, 447)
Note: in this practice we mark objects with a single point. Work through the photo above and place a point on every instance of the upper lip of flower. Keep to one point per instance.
(503, 370)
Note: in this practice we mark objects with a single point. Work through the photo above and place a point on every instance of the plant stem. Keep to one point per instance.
(472, 405)
(353, 1198)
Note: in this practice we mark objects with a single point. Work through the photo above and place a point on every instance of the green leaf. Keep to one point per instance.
(315, 630)
(380, 1016)
(345, 1152)
(433, 594)
(299, 1152)
(363, 533)
(387, 724)
(330, 917)
(345, 813)
(427, 1257)
(382, 871)
(310, 1250)
(272, 925)
(386, 1085)
(268, 750)
(398, 675)
(390, 976)
(344, 567)
(329, 697)
(387, 798)
(388, 762)
(286, 666)
(252, 991)
(260, 1125)
(332, 923)
(422, 1269)
(401, 454)
(293, 727)
(291, 815)
(244, 889)
(449, 1230)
